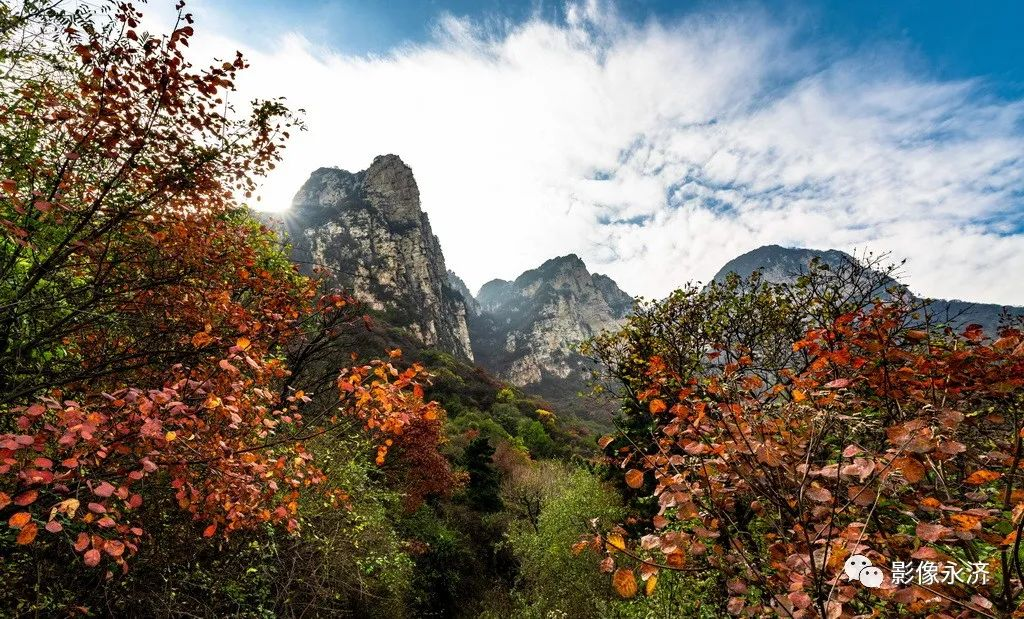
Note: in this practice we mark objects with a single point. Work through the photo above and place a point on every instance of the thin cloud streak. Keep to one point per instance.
(659, 152)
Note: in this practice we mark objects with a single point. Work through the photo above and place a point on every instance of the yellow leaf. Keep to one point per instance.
(649, 586)
(799, 396)
(69, 507)
(243, 343)
(615, 542)
(171, 435)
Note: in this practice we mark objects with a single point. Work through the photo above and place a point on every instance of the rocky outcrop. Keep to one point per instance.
(366, 229)
(784, 264)
(527, 329)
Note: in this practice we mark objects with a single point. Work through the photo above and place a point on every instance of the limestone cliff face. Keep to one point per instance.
(527, 329)
(368, 231)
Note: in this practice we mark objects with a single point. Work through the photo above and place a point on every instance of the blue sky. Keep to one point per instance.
(658, 140)
(951, 38)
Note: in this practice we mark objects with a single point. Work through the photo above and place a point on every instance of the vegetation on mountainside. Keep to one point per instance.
(771, 432)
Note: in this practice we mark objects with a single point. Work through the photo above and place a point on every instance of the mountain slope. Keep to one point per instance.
(366, 228)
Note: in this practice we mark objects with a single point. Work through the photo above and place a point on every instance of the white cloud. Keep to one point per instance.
(657, 153)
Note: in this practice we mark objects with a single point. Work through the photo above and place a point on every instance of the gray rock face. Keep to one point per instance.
(367, 230)
(783, 265)
(527, 329)
(472, 307)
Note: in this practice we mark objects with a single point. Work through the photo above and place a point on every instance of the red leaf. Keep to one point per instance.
(27, 498)
(104, 489)
(210, 530)
(931, 532)
(92, 558)
(114, 548)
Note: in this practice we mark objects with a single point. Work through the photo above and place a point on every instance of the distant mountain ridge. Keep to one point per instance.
(783, 264)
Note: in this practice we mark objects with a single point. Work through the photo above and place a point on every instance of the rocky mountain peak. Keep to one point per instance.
(392, 190)
(368, 230)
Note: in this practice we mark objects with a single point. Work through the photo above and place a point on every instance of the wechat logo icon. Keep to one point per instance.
(858, 567)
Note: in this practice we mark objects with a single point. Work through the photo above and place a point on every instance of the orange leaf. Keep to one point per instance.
(658, 406)
(210, 530)
(243, 343)
(201, 339)
(19, 520)
(634, 478)
(978, 478)
(912, 470)
(603, 442)
(799, 396)
(966, 522)
(28, 534)
(624, 582)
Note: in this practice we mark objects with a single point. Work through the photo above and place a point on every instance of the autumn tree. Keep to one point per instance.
(151, 330)
(780, 430)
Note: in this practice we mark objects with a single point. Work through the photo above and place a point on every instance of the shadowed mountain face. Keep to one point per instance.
(526, 331)
(366, 228)
(783, 265)
(528, 328)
